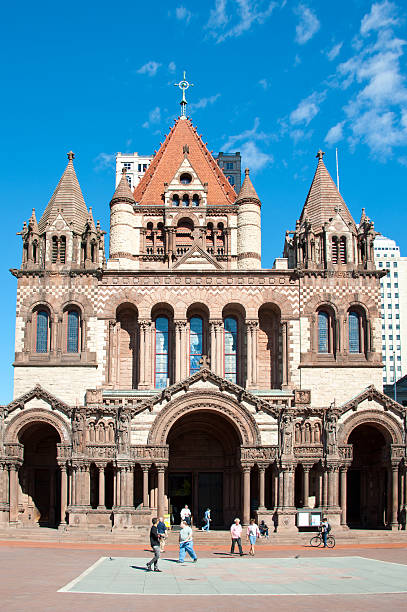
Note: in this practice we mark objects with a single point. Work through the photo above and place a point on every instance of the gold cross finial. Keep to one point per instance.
(184, 85)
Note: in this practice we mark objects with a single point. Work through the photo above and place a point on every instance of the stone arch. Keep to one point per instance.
(28, 306)
(124, 297)
(318, 301)
(239, 418)
(385, 422)
(23, 420)
(185, 212)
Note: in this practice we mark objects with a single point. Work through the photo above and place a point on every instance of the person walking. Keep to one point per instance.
(162, 533)
(325, 529)
(252, 534)
(207, 519)
(236, 533)
(155, 545)
(186, 515)
(186, 544)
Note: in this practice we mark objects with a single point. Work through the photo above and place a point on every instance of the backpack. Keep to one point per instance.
(328, 528)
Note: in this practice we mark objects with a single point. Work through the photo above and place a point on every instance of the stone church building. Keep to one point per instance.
(178, 370)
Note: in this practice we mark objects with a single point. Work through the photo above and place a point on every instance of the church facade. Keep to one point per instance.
(178, 370)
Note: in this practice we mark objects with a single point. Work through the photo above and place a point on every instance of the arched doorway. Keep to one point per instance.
(369, 478)
(39, 475)
(204, 467)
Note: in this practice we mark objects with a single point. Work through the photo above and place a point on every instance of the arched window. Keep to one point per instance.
(195, 344)
(35, 251)
(210, 239)
(185, 200)
(54, 254)
(334, 250)
(323, 332)
(354, 324)
(72, 336)
(42, 332)
(342, 250)
(161, 352)
(195, 200)
(184, 236)
(62, 249)
(230, 332)
(175, 200)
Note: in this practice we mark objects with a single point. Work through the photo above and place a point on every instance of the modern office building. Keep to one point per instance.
(393, 290)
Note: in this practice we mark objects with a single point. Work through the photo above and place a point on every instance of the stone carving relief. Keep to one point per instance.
(331, 432)
(78, 432)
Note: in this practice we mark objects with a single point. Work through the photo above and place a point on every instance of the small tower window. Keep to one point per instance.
(323, 332)
(62, 249)
(354, 332)
(185, 178)
(175, 200)
(334, 250)
(185, 200)
(342, 250)
(73, 332)
(54, 249)
(42, 332)
(195, 200)
(35, 252)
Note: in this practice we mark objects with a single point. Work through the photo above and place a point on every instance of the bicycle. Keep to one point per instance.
(317, 540)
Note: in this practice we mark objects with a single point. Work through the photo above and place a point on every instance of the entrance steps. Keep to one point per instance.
(218, 538)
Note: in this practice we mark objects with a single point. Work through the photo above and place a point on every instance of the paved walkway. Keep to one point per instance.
(247, 576)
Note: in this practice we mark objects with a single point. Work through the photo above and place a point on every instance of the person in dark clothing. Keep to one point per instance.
(155, 545)
(275, 521)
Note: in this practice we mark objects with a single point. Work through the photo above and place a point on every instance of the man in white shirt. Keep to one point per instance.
(186, 544)
(186, 515)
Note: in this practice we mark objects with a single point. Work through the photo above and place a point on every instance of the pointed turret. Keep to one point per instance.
(66, 200)
(248, 226)
(247, 191)
(324, 200)
(123, 192)
(32, 223)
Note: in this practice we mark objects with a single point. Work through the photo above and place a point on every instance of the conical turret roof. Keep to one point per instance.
(123, 191)
(247, 191)
(183, 137)
(67, 199)
(324, 201)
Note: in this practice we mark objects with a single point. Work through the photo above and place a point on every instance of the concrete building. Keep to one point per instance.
(181, 371)
(393, 289)
(135, 166)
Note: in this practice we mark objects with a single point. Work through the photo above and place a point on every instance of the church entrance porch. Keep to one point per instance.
(369, 479)
(204, 468)
(39, 476)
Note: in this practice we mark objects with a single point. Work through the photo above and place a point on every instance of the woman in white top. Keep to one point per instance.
(252, 534)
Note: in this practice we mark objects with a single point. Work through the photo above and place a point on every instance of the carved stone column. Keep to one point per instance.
(130, 486)
(178, 359)
(145, 469)
(344, 472)
(13, 511)
(395, 501)
(101, 500)
(64, 493)
(142, 353)
(246, 494)
(160, 487)
(220, 368)
(212, 327)
(262, 483)
(324, 487)
(306, 485)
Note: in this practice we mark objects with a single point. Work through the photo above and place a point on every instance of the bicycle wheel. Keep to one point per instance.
(315, 541)
(330, 541)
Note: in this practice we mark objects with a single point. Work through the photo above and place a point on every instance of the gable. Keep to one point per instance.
(196, 259)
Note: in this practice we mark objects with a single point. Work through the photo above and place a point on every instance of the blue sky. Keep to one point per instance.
(274, 80)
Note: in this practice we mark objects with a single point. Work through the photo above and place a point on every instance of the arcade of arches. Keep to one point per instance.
(203, 462)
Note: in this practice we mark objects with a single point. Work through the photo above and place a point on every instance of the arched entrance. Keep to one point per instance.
(204, 467)
(39, 476)
(369, 478)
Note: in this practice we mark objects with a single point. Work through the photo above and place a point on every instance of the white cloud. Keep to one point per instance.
(264, 84)
(154, 116)
(307, 109)
(242, 15)
(172, 67)
(203, 102)
(335, 133)
(183, 14)
(246, 141)
(377, 108)
(253, 157)
(104, 161)
(297, 60)
(149, 68)
(307, 26)
(382, 14)
(334, 52)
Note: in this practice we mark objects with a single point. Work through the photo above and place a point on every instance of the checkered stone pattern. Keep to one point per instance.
(343, 292)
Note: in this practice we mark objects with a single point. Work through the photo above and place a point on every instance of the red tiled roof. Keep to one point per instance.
(169, 158)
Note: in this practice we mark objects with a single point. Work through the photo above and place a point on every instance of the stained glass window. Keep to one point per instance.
(354, 332)
(161, 352)
(230, 327)
(42, 332)
(323, 332)
(73, 332)
(195, 343)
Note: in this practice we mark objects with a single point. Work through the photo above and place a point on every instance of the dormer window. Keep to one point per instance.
(195, 200)
(175, 200)
(185, 200)
(185, 178)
